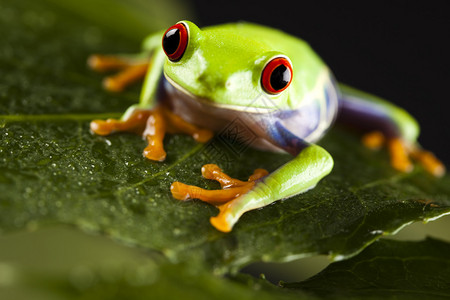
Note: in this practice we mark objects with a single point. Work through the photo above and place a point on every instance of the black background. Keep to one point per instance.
(397, 50)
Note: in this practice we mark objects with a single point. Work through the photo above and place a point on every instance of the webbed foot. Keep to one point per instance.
(401, 153)
(130, 70)
(152, 124)
(231, 190)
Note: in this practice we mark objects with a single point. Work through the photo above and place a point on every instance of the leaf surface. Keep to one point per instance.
(53, 170)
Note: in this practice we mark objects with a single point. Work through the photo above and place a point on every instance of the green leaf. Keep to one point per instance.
(68, 264)
(52, 170)
(386, 270)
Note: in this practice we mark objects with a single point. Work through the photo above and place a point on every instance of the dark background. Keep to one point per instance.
(397, 51)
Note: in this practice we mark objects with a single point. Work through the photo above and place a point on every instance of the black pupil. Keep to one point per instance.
(280, 77)
(171, 41)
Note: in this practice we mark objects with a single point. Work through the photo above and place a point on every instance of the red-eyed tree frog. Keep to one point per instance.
(199, 80)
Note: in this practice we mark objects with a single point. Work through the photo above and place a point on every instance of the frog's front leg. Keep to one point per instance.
(152, 124)
(231, 187)
(131, 69)
(297, 176)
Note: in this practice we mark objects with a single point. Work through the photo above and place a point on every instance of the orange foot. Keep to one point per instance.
(152, 125)
(231, 190)
(130, 70)
(401, 152)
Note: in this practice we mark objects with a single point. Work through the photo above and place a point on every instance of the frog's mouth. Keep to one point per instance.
(197, 110)
(183, 93)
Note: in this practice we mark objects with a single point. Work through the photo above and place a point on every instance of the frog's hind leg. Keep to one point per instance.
(131, 69)
(231, 187)
(387, 125)
(400, 153)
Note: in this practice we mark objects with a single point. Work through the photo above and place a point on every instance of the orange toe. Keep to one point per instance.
(373, 140)
(102, 63)
(101, 127)
(220, 223)
(154, 153)
(203, 135)
(180, 191)
(112, 84)
(430, 163)
(399, 155)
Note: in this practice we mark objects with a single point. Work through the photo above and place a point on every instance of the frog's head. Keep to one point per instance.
(224, 69)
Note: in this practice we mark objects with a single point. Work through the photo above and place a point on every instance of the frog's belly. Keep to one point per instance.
(308, 122)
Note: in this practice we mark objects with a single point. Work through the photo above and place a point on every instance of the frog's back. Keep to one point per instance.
(265, 38)
(307, 65)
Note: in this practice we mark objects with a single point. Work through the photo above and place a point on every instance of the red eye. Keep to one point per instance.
(175, 41)
(277, 75)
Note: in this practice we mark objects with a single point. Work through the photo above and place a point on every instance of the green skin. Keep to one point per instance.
(205, 72)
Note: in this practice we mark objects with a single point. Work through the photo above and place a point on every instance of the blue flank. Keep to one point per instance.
(294, 130)
(286, 140)
(367, 116)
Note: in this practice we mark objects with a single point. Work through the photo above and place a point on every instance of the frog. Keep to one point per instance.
(197, 81)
